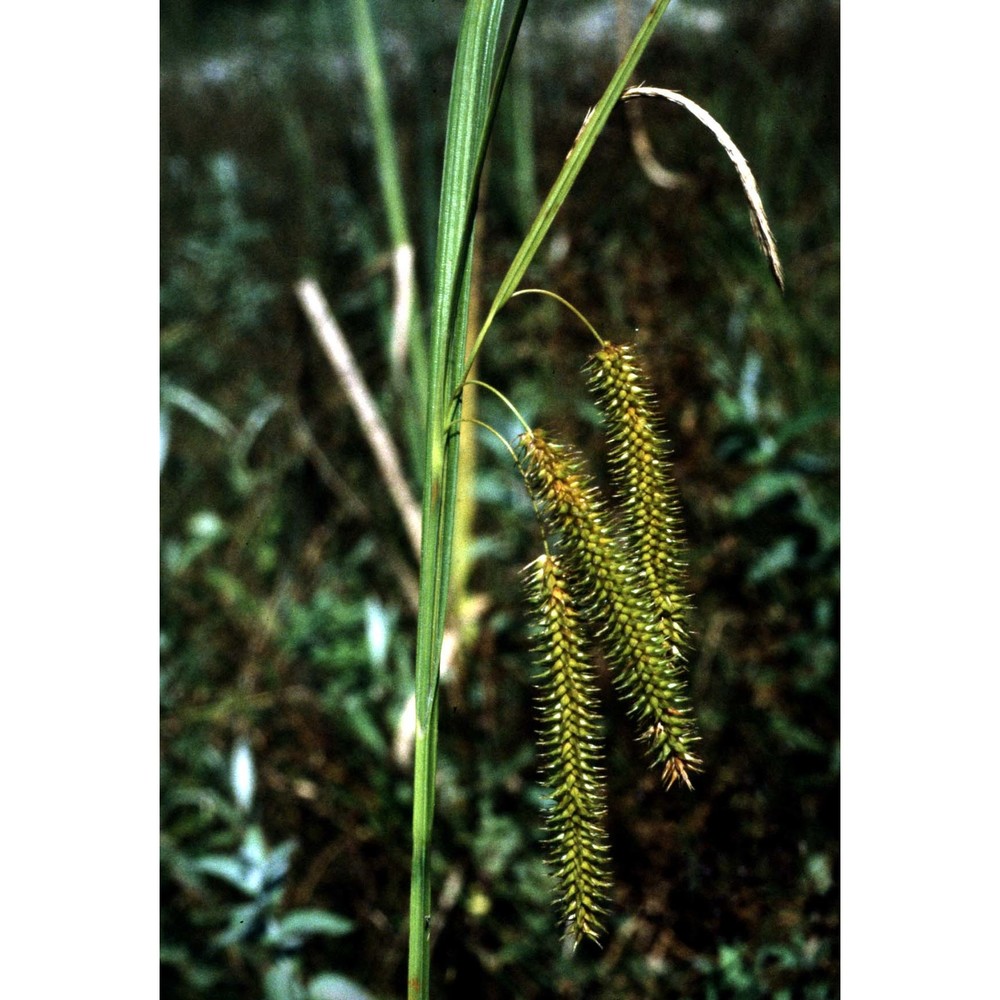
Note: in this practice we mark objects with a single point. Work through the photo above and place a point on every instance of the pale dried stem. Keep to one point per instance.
(390, 467)
(642, 146)
(656, 173)
(402, 306)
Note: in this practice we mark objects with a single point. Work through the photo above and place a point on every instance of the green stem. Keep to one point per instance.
(393, 203)
(465, 142)
(378, 111)
(510, 406)
(424, 764)
(569, 305)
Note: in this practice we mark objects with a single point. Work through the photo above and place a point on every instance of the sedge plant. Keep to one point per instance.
(611, 574)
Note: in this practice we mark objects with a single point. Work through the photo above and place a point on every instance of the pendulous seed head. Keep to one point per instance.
(616, 604)
(644, 487)
(571, 754)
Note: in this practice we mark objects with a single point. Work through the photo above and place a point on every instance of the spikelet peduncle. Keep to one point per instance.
(571, 754)
(614, 602)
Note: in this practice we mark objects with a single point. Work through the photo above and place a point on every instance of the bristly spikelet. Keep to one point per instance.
(640, 471)
(570, 743)
(612, 596)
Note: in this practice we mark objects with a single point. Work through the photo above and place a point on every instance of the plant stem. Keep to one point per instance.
(407, 337)
(469, 121)
(376, 433)
(465, 511)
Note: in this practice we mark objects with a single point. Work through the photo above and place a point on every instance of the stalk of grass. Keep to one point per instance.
(467, 133)
(376, 433)
(465, 510)
(381, 120)
(407, 339)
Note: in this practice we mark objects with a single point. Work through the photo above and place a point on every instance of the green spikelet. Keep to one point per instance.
(614, 601)
(645, 489)
(570, 743)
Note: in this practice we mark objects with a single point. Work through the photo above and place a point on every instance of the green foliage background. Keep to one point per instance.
(285, 620)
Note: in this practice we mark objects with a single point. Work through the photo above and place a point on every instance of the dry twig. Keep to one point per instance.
(390, 468)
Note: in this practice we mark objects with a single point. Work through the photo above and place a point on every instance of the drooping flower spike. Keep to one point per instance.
(615, 602)
(571, 752)
(644, 487)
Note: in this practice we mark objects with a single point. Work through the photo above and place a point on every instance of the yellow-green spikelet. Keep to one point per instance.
(571, 752)
(615, 603)
(640, 470)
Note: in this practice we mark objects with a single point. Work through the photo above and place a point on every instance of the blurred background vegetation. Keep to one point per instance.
(287, 614)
